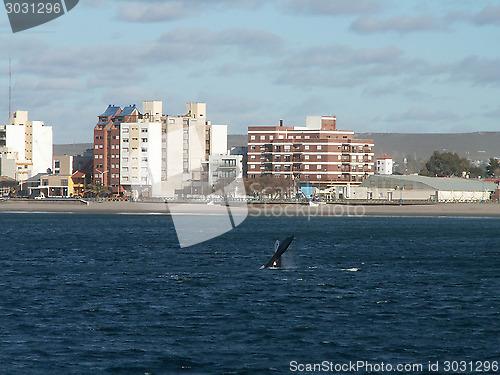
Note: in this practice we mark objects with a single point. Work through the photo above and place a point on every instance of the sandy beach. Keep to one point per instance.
(123, 207)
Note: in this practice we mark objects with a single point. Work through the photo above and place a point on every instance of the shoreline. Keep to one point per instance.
(333, 210)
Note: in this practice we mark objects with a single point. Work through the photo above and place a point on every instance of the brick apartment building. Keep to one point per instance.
(107, 145)
(318, 153)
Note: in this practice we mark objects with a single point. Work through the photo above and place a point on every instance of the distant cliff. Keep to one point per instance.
(473, 146)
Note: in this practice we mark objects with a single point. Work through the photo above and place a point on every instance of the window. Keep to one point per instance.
(144, 130)
(97, 156)
(319, 166)
(125, 140)
(253, 166)
(144, 140)
(125, 130)
(262, 137)
(252, 157)
(306, 147)
(319, 157)
(319, 147)
(306, 166)
(252, 137)
(144, 159)
(144, 149)
(306, 157)
(101, 146)
(96, 147)
(307, 137)
(271, 137)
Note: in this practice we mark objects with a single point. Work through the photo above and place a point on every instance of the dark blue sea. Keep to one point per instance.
(115, 294)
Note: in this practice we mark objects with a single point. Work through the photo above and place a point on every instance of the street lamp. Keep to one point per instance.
(102, 175)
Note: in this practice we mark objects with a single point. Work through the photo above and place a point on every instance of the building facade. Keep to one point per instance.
(141, 158)
(150, 154)
(384, 165)
(107, 145)
(29, 143)
(317, 153)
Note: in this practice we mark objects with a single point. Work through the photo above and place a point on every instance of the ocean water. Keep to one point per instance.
(114, 294)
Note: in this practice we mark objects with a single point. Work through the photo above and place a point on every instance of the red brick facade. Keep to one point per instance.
(325, 156)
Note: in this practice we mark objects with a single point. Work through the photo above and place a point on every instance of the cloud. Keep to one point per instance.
(342, 55)
(422, 114)
(335, 7)
(400, 24)
(477, 70)
(173, 10)
(143, 12)
(394, 90)
(490, 15)
(250, 40)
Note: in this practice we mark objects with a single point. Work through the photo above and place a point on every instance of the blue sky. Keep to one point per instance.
(378, 65)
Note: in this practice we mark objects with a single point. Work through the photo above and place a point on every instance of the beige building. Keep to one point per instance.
(63, 165)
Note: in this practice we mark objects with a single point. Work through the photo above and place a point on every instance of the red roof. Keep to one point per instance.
(78, 174)
(384, 157)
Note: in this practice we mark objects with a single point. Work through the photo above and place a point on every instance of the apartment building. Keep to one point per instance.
(189, 140)
(29, 143)
(151, 154)
(107, 145)
(385, 165)
(318, 153)
(141, 158)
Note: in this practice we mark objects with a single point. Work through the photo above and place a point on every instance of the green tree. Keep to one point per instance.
(445, 164)
(493, 168)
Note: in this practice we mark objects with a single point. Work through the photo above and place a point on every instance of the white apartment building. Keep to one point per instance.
(189, 141)
(29, 142)
(223, 169)
(384, 165)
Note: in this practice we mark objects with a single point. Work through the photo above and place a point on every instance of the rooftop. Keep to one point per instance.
(428, 183)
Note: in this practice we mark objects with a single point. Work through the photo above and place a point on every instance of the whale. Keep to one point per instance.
(279, 250)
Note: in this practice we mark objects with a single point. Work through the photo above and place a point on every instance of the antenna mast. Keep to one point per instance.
(10, 86)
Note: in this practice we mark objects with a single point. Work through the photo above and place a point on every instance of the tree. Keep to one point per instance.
(493, 168)
(269, 186)
(445, 164)
(98, 190)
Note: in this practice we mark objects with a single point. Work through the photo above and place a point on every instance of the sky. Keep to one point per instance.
(411, 66)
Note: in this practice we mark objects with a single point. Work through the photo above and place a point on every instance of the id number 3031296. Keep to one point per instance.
(38, 8)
